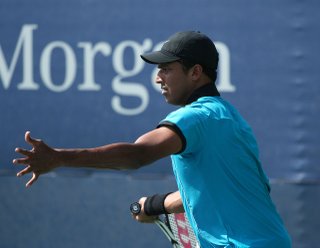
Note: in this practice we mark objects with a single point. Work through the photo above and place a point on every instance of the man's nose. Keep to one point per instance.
(158, 79)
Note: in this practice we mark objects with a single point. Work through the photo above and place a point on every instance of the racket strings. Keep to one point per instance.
(182, 230)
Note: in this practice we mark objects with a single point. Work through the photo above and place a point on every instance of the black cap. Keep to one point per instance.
(190, 45)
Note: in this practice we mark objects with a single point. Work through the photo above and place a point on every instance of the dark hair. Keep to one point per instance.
(187, 65)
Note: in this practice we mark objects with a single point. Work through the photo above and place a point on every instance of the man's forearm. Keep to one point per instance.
(173, 203)
(116, 156)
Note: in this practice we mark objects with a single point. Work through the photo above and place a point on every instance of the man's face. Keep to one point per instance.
(176, 85)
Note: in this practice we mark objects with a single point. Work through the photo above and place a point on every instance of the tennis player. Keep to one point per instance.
(215, 159)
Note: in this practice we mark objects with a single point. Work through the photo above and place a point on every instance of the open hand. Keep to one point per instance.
(39, 160)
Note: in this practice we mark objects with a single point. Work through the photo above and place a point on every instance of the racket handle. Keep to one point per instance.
(135, 208)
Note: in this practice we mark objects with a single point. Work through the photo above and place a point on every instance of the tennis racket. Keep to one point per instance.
(175, 227)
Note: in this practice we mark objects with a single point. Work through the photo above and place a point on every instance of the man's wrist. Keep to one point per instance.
(154, 205)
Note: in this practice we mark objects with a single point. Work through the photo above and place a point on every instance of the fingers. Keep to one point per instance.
(34, 178)
(27, 160)
(35, 175)
(142, 200)
(24, 171)
(23, 151)
(144, 218)
(20, 161)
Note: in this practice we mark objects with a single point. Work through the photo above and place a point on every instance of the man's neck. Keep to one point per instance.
(208, 89)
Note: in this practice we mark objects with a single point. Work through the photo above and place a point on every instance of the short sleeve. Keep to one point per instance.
(186, 122)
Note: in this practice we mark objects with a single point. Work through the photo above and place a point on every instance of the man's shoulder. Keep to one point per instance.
(210, 105)
(215, 107)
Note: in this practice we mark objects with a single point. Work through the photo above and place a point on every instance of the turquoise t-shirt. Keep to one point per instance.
(223, 187)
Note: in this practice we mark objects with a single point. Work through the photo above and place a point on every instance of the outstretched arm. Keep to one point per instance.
(146, 149)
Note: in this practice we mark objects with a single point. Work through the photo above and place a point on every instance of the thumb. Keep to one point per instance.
(28, 138)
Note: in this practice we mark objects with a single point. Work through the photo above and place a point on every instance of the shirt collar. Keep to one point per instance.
(209, 89)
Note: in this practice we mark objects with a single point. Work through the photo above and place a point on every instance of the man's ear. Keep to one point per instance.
(196, 71)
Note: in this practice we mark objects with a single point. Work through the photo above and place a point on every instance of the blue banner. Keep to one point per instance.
(70, 72)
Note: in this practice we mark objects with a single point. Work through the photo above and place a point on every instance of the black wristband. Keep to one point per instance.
(154, 205)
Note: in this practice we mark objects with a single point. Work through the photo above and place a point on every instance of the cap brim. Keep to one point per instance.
(158, 57)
